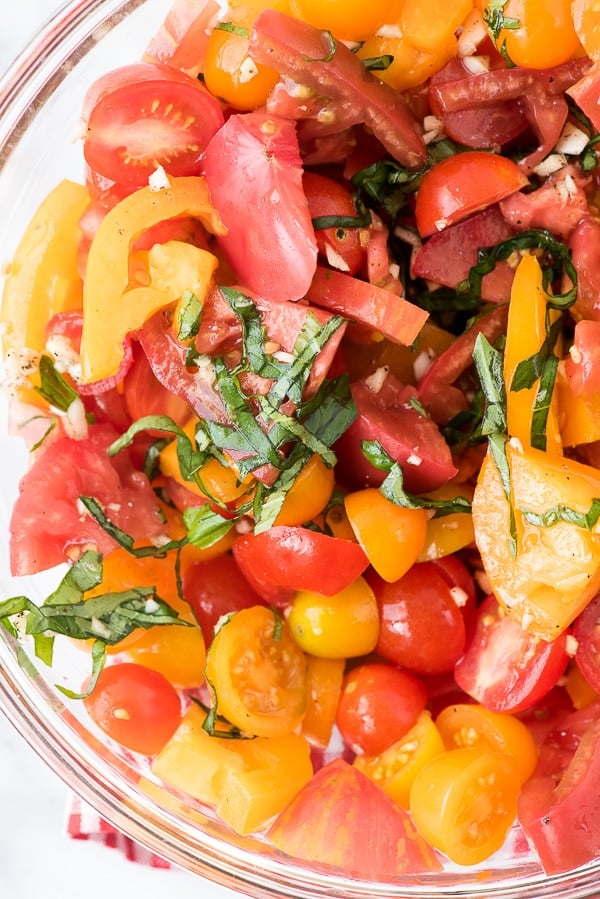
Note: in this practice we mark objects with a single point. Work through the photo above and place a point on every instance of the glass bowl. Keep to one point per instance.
(40, 99)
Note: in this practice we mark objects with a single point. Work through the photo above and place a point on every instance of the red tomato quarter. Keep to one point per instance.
(135, 706)
(462, 184)
(341, 246)
(586, 630)
(504, 667)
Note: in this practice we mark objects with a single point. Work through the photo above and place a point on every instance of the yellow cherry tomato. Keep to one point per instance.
(580, 692)
(430, 23)
(586, 20)
(464, 802)
(348, 20)
(472, 725)
(410, 66)
(536, 34)
(391, 536)
(395, 769)
(341, 626)
(309, 494)
(258, 673)
(547, 572)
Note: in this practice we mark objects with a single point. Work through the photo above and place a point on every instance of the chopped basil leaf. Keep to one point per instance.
(190, 458)
(125, 540)
(489, 365)
(496, 22)
(342, 222)
(586, 520)
(497, 444)
(205, 526)
(418, 407)
(541, 406)
(378, 63)
(53, 387)
(190, 316)
(45, 435)
(331, 411)
(393, 485)
(233, 29)
(555, 261)
(278, 626)
(98, 660)
(253, 334)
(216, 725)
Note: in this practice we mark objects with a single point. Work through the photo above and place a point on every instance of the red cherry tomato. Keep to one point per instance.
(462, 184)
(135, 706)
(586, 630)
(166, 119)
(378, 705)
(216, 587)
(504, 667)
(422, 627)
(341, 246)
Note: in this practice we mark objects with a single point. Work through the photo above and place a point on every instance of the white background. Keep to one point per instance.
(36, 856)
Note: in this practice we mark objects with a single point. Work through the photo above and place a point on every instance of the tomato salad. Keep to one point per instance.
(307, 364)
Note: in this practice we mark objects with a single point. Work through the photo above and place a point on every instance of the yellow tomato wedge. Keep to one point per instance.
(43, 278)
(552, 570)
(110, 309)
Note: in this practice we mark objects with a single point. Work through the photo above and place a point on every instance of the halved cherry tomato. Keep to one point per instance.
(463, 184)
(258, 673)
(395, 769)
(342, 246)
(341, 818)
(341, 626)
(529, 34)
(166, 119)
(324, 687)
(469, 724)
(586, 630)
(378, 705)
(135, 706)
(283, 559)
(350, 21)
(504, 667)
(407, 608)
(464, 802)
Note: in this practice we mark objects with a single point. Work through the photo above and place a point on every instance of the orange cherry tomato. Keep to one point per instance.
(464, 802)
(348, 20)
(391, 536)
(258, 673)
(536, 34)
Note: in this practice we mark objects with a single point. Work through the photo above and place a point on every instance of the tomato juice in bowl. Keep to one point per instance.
(363, 579)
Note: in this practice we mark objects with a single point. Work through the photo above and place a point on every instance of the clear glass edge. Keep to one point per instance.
(33, 76)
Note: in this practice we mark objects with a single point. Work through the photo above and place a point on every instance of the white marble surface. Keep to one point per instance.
(36, 856)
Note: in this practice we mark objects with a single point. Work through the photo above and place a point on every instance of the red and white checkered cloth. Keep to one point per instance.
(84, 823)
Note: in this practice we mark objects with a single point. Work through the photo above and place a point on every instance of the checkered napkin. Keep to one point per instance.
(83, 823)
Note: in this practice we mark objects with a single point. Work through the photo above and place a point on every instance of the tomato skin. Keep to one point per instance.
(586, 630)
(135, 706)
(284, 559)
(463, 184)
(504, 667)
(407, 608)
(378, 705)
(321, 824)
(214, 588)
(254, 174)
(258, 673)
(342, 247)
(142, 124)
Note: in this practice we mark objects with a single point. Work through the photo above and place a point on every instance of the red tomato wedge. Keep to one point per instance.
(460, 185)
(254, 174)
(505, 668)
(48, 525)
(309, 56)
(342, 819)
(559, 807)
(182, 38)
(582, 366)
(380, 309)
(285, 559)
(163, 118)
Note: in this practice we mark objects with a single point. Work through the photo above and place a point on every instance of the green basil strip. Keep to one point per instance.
(497, 444)
(191, 316)
(541, 406)
(53, 387)
(378, 63)
(205, 527)
(253, 334)
(125, 540)
(344, 222)
(489, 365)
(556, 261)
(310, 341)
(98, 660)
(585, 520)
(233, 29)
